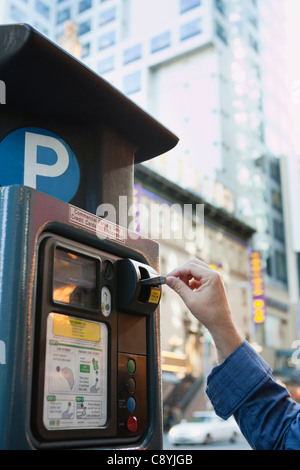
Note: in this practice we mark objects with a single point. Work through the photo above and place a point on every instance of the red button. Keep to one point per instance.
(132, 424)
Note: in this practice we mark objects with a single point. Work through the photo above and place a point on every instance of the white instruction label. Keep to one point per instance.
(75, 394)
(101, 227)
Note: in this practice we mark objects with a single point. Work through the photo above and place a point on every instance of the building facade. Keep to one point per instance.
(175, 218)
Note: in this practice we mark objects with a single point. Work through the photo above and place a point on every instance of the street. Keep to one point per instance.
(240, 444)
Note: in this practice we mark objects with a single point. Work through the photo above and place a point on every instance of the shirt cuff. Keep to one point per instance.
(231, 383)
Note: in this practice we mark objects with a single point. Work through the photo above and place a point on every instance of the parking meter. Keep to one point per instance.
(79, 334)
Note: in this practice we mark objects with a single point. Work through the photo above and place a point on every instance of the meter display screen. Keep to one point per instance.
(75, 383)
(74, 279)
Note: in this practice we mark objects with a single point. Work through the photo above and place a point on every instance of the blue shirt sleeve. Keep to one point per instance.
(243, 385)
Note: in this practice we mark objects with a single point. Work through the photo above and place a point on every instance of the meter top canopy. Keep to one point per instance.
(43, 80)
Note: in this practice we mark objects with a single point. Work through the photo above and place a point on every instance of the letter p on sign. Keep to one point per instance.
(32, 168)
(40, 159)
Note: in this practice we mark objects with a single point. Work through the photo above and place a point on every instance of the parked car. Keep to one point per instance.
(205, 427)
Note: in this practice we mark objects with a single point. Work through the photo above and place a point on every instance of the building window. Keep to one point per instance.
(106, 65)
(132, 53)
(220, 6)
(278, 228)
(276, 200)
(269, 265)
(107, 16)
(190, 29)
(42, 9)
(221, 33)
(84, 5)
(107, 40)
(186, 5)
(161, 42)
(63, 15)
(86, 49)
(16, 14)
(132, 82)
(275, 171)
(280, 266)
(253, 43)
(84, 27)
(253, 21)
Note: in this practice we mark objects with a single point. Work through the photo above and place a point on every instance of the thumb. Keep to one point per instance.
(180, 287)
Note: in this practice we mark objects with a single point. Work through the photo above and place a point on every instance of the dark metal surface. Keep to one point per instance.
(43, 79)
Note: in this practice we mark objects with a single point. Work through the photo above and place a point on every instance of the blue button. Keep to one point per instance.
(131, 404)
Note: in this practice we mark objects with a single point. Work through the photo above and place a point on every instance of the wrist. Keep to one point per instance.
(227, 339)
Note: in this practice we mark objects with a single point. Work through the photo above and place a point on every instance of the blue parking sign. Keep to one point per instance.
(40, 159)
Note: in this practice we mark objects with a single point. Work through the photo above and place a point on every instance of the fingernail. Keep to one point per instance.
(170, 281)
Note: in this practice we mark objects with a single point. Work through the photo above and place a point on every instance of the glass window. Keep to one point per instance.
(276, 200)
(280, 266)
(161, 41)
(253, 43)
(186, 5)
(221, 32)
(63, 15)
(190, 29)
(42, 9)
(107, 16)
(107, 40)
(84, 27)
(132, 53)
(86, 49)
(269, 267)
(278, 230)
(16, 14)
(220, 6)
(253, 21)
(106, 65)
(84, 5)
(132, 82)
(275, 170)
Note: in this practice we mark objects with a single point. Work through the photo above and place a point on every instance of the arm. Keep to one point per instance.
(242, 384)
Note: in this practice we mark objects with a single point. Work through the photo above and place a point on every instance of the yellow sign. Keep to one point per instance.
(71, 327)
(258, 292)
(154, 295)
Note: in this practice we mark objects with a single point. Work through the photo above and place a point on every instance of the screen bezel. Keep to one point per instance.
(45, 305)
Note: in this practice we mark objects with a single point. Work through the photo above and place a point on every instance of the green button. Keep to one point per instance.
(131, 366)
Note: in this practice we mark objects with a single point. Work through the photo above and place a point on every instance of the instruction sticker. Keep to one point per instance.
(101, 227)
(75, 395)
(154, 295)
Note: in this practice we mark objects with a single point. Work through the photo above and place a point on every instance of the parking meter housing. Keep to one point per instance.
(80, 362)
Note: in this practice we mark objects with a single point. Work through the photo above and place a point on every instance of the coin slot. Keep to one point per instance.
(145, 290)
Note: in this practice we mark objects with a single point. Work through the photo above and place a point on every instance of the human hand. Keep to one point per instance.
(202, 290)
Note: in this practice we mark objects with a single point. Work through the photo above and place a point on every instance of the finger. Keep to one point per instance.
(180, 287)
(195, 284)
(194, 268)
